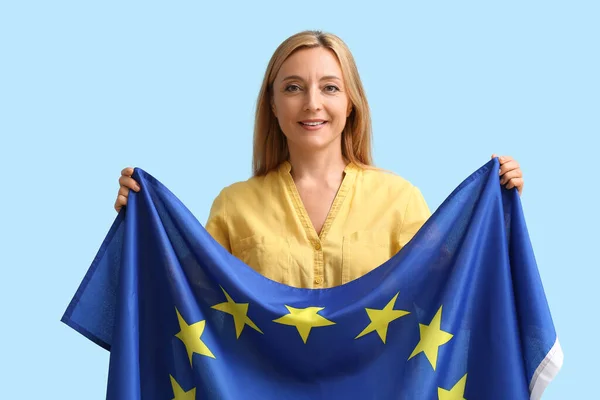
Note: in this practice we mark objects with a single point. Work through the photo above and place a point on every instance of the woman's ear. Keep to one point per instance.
(273, 108)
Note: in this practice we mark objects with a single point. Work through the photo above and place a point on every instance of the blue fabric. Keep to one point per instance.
(473, 259)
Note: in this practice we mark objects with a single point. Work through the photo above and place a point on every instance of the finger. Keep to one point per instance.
(515, 182)
(127, 171)
(504, 159)
(509, 166)
(123, 191)
(515, 173)
(120, 202)
(129, 182)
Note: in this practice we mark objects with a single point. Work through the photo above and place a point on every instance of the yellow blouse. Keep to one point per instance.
(263, 222)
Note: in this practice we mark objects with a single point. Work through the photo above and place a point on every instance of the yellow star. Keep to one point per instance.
(456, 393)
(239, 312)
(304, 319)
(179, 393)
(380, 319)
(190, 336)
(432, 337)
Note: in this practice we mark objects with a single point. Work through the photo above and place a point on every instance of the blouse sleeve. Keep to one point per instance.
(415, 215)
(216, 225)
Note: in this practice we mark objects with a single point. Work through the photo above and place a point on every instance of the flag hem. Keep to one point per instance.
(546, 371)
(68, 314)
(87, 334)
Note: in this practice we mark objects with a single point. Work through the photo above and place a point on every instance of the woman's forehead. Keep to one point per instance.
(311, 63)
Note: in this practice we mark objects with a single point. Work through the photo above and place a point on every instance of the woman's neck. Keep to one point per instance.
(317, 166)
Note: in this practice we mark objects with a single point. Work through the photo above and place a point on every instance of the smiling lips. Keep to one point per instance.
(312, 124)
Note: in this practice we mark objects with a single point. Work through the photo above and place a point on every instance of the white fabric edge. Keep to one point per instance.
(546, 371)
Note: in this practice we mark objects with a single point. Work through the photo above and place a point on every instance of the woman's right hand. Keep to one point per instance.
(126, 182)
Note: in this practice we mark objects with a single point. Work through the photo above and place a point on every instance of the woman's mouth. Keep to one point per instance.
(312, 125)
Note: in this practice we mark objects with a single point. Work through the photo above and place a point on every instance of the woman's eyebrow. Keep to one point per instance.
(296, 77)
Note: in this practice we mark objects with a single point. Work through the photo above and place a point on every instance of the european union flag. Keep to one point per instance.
(459, 313)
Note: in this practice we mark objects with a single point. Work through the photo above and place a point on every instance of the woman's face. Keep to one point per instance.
(310, 101)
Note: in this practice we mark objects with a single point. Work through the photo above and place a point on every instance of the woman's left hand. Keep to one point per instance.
(511, 175)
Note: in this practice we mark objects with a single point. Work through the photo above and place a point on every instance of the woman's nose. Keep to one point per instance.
(313, 100)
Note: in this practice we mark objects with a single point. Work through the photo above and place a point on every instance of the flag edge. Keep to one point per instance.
(546, 371)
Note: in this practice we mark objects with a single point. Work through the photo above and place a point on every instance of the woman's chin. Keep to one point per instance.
(314, 143)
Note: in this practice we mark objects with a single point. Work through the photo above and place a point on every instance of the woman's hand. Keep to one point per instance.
(511, 175)
(126, 182)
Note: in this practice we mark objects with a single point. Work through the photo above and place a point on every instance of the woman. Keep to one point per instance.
(316, 213)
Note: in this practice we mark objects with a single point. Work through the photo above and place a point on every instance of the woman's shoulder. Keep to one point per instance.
(252, 188)
(392, 190)
(377, 177)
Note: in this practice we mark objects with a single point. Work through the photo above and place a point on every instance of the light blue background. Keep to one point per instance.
(87, 88)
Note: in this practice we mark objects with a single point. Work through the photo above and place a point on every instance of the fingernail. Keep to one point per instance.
(501, 158)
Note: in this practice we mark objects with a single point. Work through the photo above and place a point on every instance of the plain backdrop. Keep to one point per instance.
(88, 88)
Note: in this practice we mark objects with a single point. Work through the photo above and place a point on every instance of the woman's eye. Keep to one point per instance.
(331, 88)
(292, 88)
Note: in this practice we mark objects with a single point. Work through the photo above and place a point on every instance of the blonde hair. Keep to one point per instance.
(270, 144)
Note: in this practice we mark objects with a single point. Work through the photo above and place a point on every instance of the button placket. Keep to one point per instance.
(318, 269)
